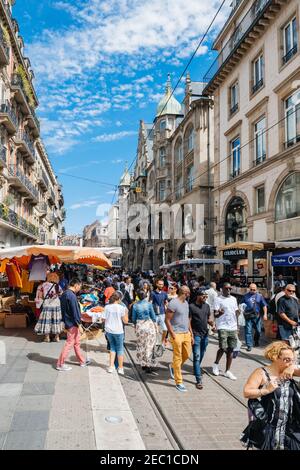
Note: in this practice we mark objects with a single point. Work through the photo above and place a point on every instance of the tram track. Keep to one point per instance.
(169, 430)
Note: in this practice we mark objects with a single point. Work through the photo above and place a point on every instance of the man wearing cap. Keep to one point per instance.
(199, 312)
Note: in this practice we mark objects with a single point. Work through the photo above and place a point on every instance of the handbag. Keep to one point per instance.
(46, 296)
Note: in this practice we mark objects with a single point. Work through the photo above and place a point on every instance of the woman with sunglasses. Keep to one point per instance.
(274, 399)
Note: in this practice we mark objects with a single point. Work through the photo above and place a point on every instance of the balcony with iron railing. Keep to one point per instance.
(34, 123)
(289, 54)
(42, 207)
(8, 117)
(257, 85)
(235, 173)
(259, 160)
(20, 180)
(15, 220)
(254, 21)
(4, 50)
(25, 145)
(17, 87)
(51, 195)
(51, 218)
(3, 156)
(43, 180)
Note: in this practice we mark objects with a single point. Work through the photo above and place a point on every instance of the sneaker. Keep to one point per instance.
(110, 370)
(181, 388)
(121, 371)
(248, 348)
(86, 363)
(63, 368)
(171, 370)
(230, 375)
(216, 369)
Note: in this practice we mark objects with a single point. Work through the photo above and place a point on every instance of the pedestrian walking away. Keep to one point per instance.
(226, 311)
(47, 300)
(178, 324)
(72, 319)
(160, 301)
(255, 311)
(115, 315)
(143, 317)
(274, 402)
(200, 318)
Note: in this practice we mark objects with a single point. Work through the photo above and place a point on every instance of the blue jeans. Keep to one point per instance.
(256, 324)
(116, 343)
(199, 348)
(160, 320)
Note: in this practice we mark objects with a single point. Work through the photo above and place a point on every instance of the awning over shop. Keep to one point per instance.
(286, 259)
(248, 246)
(194, 261)
(57, 254)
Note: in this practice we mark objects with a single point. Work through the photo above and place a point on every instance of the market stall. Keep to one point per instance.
(24, 266)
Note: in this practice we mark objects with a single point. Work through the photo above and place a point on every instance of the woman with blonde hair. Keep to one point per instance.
(47, 300)
(274, 402)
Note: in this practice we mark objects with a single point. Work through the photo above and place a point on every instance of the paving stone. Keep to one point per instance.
(66, 440)
(7, 409)
(30, 421)
(10, 389)
(2, 439)
(39, 388)
(18, 440)
(34, 403)
(76, 416)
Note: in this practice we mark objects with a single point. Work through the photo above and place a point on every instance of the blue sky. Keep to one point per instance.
(100, 67)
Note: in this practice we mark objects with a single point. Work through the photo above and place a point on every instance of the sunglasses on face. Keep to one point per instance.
(291, 290)
(228, 288)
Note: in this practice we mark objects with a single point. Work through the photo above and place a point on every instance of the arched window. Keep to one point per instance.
(183, 251)
(189, 139)
(178, 151)
(162, 157)
(288, 198)
(161, 257)
(236, 221)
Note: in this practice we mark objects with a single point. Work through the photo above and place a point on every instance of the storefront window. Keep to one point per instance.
(235, 222)
(288, 198)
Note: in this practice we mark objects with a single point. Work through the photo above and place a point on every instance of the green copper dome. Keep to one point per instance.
(168, 104)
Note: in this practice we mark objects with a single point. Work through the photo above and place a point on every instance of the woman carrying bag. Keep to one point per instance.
(47, 299)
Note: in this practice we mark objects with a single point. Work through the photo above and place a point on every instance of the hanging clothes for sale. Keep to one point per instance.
(27, 285)
(38, 267)
(14, 278)
(3, 265)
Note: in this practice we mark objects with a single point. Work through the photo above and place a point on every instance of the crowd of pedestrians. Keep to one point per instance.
(182, 314)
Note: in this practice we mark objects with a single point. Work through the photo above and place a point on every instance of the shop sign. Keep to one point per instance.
(238, 253)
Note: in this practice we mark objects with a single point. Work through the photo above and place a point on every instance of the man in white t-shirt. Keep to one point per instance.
(226, 311)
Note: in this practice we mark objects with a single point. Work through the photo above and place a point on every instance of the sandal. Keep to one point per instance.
(47, 339)
(199, 386)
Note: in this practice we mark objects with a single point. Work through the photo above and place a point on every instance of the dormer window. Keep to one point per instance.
(162, 124)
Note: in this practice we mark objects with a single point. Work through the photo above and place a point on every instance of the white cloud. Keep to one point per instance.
(114, 136)
(87, 203)
(118, 124)
(109, 39)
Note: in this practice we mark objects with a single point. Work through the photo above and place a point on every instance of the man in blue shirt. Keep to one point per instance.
(71, 316)
(160, 301)
(255, 310)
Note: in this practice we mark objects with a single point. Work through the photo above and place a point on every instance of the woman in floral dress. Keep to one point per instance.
(47, 298)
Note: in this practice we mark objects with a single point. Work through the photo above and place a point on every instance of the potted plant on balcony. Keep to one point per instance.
(27, 87)
(5, 34)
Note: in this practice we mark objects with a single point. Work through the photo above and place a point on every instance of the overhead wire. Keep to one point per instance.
(184, 71)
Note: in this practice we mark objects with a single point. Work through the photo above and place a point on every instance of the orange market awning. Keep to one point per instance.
(57, 254)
